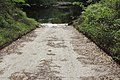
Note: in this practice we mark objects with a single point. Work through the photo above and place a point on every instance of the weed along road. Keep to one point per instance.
(56, 52)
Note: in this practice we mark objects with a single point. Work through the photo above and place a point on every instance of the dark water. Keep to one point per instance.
(54, 14)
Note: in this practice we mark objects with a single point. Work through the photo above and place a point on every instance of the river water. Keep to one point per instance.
(54, 14)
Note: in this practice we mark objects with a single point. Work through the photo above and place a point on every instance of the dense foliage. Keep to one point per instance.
(20, 3)
(13, 22)
(101, 22)
(41, 2)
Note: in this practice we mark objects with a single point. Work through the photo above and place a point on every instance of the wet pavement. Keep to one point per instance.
(56, 52)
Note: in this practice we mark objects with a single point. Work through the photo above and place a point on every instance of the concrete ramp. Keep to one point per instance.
(56, 52)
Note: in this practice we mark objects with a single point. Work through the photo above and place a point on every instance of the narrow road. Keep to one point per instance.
(56, 52)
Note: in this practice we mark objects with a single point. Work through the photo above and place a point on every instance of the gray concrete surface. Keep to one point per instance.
(56, 52)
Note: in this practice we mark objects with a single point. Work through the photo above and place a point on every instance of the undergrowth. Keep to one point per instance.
(101, 22)
(13, 22)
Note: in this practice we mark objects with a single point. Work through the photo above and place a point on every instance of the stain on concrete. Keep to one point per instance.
(44, 72)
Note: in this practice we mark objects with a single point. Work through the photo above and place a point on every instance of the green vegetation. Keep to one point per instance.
(13, 22)
(20, 3)
(101, 22)
(41, 2)
(45, 2)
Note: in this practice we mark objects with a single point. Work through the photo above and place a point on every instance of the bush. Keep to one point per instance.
(13, 22)
(101, 22)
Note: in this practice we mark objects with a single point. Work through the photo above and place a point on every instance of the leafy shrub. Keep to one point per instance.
(97, 12)
(41, 2)
(20, 3)
(13, 22)
(101, 22)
